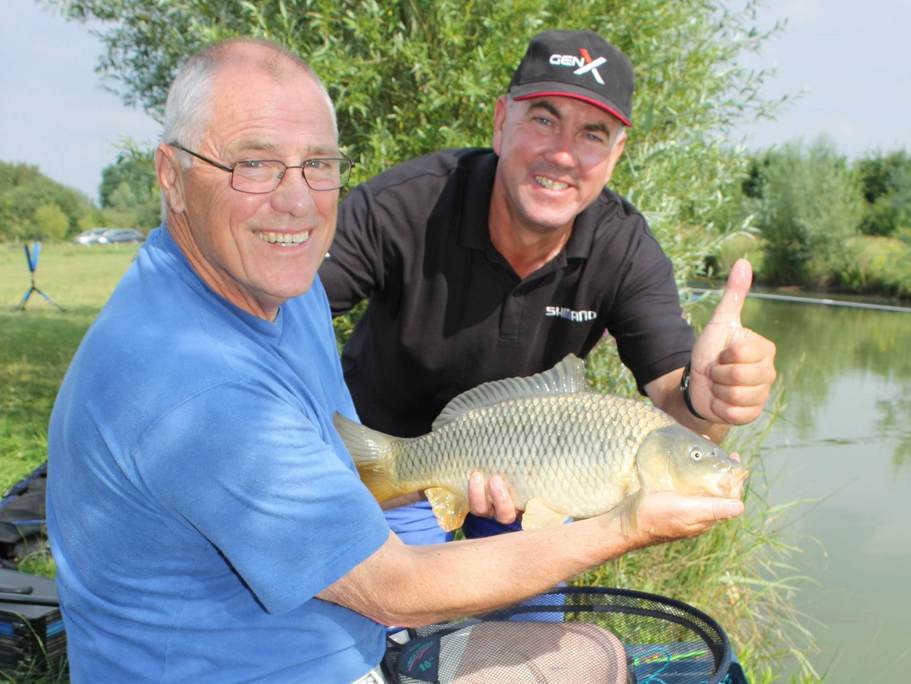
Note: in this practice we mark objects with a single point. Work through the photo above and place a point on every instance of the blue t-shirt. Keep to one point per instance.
(198, 495)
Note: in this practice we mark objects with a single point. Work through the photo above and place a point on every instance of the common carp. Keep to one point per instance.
(565, 450)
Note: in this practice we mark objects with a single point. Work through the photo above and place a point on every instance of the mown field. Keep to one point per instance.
(36, 346)
(733, 573)
(37, 343)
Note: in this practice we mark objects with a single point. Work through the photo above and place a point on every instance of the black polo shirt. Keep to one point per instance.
(446, 310)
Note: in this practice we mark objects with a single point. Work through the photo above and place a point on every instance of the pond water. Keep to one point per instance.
(842, 446)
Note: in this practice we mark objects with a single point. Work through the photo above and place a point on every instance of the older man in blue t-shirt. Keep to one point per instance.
(206, 520)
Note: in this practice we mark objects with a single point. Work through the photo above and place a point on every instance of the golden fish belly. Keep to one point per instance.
(574, 452)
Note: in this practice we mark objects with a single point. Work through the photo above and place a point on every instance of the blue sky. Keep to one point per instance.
(55, 113)
(849, 60)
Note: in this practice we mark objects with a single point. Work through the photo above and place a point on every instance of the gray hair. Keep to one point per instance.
(189, 104)
(188, 108)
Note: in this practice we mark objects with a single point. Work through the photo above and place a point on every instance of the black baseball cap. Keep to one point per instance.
(577, 64)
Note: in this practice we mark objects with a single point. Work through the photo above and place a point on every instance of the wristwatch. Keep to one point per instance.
(685, 391)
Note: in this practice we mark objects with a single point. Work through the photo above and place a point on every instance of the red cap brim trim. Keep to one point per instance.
(597, 103)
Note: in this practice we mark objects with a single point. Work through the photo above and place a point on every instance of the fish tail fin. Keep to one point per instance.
(373, 455)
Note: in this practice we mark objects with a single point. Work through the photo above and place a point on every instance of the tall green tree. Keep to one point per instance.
(886, 183)
(410, 76)
(49, 223)
(807, 203)
(129, 190)
(23, 191)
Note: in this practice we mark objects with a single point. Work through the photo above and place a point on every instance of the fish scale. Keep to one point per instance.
(597, 435)
(563, 449)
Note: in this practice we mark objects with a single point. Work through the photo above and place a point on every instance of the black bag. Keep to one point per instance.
(31, 627)
(23, 517)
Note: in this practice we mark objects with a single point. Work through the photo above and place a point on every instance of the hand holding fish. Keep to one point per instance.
(733, 367)
(487, 498)
(491, 498)
(666, 516)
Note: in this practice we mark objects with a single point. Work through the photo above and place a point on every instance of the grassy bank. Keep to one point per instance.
(37, 343)
(864, 265)
(733, 573)
(36, 346)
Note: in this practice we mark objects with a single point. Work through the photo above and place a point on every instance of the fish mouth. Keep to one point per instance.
(732, 484)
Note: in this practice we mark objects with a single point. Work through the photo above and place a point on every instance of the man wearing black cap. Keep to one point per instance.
(482, 264)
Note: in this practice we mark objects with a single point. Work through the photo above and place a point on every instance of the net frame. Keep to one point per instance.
(666, 640)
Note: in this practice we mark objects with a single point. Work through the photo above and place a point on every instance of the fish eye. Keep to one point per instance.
(696, 454)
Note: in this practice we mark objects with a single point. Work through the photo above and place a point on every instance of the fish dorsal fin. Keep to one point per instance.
(567, 377)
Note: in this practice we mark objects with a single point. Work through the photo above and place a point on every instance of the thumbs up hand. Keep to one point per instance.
(732, 367)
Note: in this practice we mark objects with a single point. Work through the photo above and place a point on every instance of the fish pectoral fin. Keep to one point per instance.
(538, 514)
(628, 512)
(448, 506)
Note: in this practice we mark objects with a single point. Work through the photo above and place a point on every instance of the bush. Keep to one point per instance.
(129, 190)
(886, 182)
(49, 222)
(32, 206)
(877, 265)
(809, 205)
(883, 217)
(741, 244)
(410, 77)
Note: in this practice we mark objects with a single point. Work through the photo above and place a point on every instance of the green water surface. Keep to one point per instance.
(843, 444)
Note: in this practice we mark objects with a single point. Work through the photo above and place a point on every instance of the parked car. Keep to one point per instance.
(115, 235)
(89, 237)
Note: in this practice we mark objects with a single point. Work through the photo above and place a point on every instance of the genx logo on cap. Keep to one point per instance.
(576, 64)
(584, 63)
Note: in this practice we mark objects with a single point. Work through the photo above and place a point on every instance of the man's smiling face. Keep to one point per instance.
(257, 250)
(556, 155)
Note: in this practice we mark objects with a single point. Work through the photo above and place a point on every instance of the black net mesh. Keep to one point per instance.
(569, 635)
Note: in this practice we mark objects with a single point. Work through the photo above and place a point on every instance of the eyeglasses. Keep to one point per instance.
(261, 176)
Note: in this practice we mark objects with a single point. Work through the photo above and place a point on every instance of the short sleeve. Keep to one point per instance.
(647, 321)
(353, 269)
(252, 473)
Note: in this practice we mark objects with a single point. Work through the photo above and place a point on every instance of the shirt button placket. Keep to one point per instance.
(511, 322)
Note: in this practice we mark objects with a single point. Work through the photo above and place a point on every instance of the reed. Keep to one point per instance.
(739, 572)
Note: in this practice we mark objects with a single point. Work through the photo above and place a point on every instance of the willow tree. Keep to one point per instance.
(411, 76)
(809, 204)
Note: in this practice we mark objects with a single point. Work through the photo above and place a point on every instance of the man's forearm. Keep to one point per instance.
(416, 585)
(408, 585)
